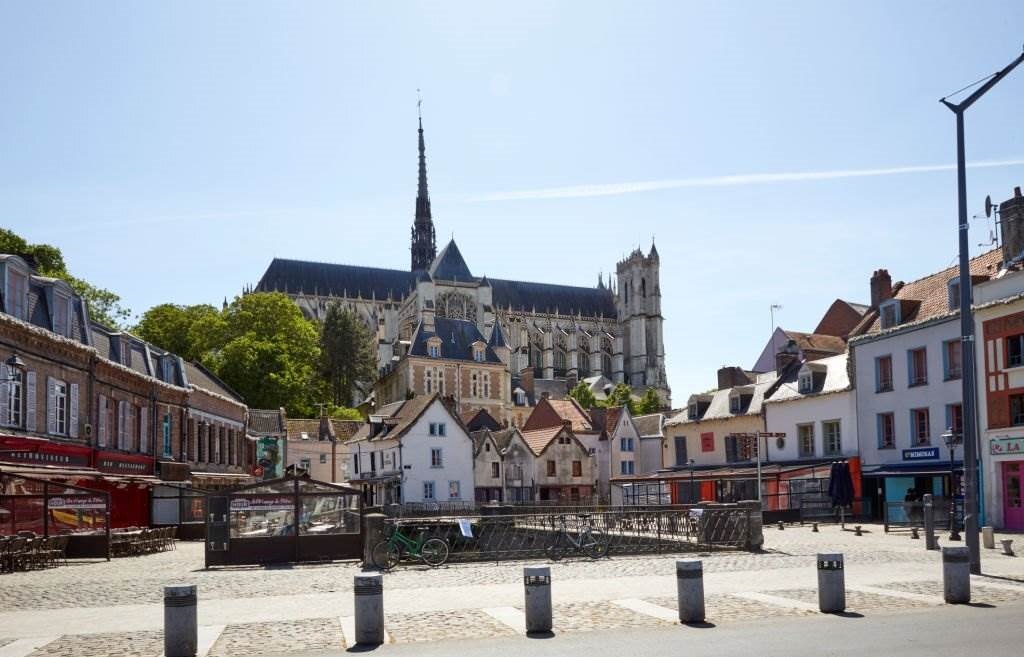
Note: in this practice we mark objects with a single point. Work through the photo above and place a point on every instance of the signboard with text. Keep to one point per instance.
(921, 454)
(1006, 445)
(268, 503)
(77, 502)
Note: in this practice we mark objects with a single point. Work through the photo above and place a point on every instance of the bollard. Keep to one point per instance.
(956, 575)
(913, 533)
(690, 590)
(369, 608)
(814, 527)
(856, 530)
(537, 582)
(781, 526)
(930, 542)
(1007, 546)
(988, 537)
(831, 583)
(181, 630)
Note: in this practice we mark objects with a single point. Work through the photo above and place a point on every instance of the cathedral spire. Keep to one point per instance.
(424, 245)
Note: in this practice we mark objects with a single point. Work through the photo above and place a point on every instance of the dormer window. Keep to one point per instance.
(692, 412)
(61, 323)
(479, 352)
(890, 313)
(806, 383)
(953, 288)
(735, 404)
(434, 347)
(17, 294)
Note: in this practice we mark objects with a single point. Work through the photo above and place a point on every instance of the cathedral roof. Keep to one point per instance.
(450, 265)
(457, 338)
(303, 277)
(547, 298)
(497, 338)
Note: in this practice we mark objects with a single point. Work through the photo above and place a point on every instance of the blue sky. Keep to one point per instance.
(172, 149)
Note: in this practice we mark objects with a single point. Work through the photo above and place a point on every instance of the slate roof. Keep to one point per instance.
(457, 338)
(479, 419)
(556, 388)
(719, 407)
(836, 379)
(548, 298)
(203, 378)
(324, 279)
(449, 265)
(266, 422)
(928, 297)
(497, 337)
(650, 425)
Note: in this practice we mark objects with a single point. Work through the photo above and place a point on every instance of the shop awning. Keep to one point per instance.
(726, 472)
(916, 470)
(52, 472)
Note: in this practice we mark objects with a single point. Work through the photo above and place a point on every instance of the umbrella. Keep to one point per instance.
(840, 485)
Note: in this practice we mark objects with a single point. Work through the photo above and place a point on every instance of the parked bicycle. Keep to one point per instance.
(588, 540)
(431, 551)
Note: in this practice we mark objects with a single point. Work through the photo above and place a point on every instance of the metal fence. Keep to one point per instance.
(904, 515)
(509, 534)
(463, 508)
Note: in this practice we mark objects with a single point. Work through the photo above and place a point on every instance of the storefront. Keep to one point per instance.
(891, 486)
(1003, 477)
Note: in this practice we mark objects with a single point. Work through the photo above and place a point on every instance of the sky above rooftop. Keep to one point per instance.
(778, 152)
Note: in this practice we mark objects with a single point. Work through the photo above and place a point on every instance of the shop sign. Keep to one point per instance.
(921, 454)
(272, 503)
(123, 464)
(1006, 445)
(77, 502)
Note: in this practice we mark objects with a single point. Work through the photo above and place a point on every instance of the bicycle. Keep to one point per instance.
(588, 540)
(431, 551)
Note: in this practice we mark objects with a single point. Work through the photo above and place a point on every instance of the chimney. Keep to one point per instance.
(732, 376)
(881, 287)
(1011, 221)
(787, 356)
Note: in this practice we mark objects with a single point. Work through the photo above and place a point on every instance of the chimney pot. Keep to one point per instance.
(881, 287)
(1016, 192)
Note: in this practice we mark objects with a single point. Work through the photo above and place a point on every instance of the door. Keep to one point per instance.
(1013, 512)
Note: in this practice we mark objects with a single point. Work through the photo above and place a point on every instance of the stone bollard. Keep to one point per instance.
(690, 590)
(956, 575)
(181, 629)
(814, 527)
(537, 582)
(369, 607)
(1007, 546)
(831, 583)
(930, 542)
(781, 526)
(914, 534)
(988, 537)
(374, 531)
(857, 530)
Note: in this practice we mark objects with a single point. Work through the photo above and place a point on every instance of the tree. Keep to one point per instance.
(650, 402)
(583, 395)
(268, 352)
(104, 306)
(622, 395)
(188, 331)
(347, 354)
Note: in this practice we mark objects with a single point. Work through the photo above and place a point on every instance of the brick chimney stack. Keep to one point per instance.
(729, 377)
(881, 287)
(1011, 221)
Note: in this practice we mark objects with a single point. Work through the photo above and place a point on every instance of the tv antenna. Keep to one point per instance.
(991, 212)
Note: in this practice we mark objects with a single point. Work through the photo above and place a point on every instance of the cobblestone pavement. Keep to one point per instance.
(101, 585)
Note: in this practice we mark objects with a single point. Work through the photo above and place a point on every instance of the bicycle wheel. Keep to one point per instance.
(555, 550)
(595, 544)
(386, 555)
(434, 552)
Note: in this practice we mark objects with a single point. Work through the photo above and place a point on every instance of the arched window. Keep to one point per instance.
(560, 361)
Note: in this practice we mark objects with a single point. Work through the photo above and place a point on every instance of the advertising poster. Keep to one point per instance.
(270, 456)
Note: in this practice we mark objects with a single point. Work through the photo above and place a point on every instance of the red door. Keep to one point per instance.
(1013, 510)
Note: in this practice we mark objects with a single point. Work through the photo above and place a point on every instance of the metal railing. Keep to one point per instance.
(904, 515)
(513, 535)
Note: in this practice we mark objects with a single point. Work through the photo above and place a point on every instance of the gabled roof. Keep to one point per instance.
(550, 413)
(606, 418)
(266, 422)
(547, 298)
(841, 318)
(340, 430)
(449, 265)
(324, 279)
(479, 419)
(836, 379)
(538, 439)
(928, 297)
(650, 425)
(497, 337)
(816, 343)
(401, 416)
(457, 337)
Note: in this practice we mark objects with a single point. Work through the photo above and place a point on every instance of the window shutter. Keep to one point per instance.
(51, 406)
(121, 416)
(73, 411)
(129, 425)
(101, 432)
(5, 407)
(30, 401)
(144, 429)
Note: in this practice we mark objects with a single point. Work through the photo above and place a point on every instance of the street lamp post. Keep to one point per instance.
(691, 463)
(967, 324)
(952, 438)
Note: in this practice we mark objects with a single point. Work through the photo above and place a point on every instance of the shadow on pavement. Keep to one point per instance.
(847, 614)
(702, 625)
(540, 635)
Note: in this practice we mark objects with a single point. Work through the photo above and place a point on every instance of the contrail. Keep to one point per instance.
(616, 189)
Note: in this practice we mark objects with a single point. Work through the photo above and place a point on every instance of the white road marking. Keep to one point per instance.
(509, 616)
(777, 600)
(348, 631)
(905, 595)
(24, 647)
(649, 609)
(208, 635)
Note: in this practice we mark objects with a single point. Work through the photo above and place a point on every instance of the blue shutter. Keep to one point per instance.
(949, 417)
(878, 430)
(878, 373)
(945, 367)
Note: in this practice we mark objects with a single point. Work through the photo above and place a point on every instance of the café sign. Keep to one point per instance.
(77, 503)
(1006, 445)
(269, 503)
(921, 454)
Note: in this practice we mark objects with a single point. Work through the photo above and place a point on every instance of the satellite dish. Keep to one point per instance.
(988, 206)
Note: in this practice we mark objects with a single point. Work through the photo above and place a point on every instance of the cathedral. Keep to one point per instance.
(441, 329)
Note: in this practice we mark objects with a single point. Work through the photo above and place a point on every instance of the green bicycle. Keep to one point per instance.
(431, 551)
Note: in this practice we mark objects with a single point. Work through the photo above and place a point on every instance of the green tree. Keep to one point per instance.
(347, 354)
(622, 395)
(104, 306)
(189, 331)
(583, 395)
(268, 352)
(650, 402)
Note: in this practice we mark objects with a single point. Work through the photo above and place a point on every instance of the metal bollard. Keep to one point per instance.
(369, 604)
(181, 629)
(814, 527)
(1007, 546)
(914, 534)
(537, 582)
(988, 537)
(956, 575)
(930, 542)
(856, 530)
(781, 526)
(831, 583)
(690, 590)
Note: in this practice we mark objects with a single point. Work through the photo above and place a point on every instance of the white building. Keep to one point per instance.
(413, 451)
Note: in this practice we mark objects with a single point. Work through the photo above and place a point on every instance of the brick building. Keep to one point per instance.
(100, 408)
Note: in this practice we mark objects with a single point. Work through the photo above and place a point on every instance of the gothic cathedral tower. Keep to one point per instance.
(638, 303)
(424, 244)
